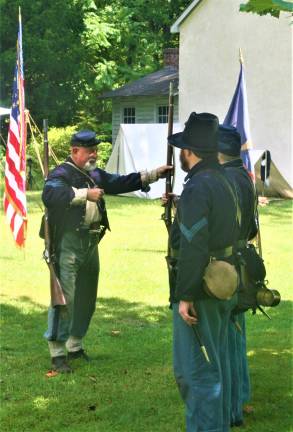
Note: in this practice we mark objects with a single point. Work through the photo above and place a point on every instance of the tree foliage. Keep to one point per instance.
(76, 49)
(264, 7)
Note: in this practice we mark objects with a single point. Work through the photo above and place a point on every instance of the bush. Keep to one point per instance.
(59, 141)
(104, 152)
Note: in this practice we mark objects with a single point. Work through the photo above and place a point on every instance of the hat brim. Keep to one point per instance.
(96, 142)
(226, 149)
(176, 140)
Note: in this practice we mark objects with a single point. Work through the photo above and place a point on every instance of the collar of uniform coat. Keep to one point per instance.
(236, 163)
(201, 166)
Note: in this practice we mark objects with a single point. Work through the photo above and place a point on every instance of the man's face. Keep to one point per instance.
(184, 161)
(85, 157)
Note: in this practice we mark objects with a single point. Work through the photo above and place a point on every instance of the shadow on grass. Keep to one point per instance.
(130, 344)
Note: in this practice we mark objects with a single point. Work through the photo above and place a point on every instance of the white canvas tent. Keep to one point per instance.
(4, 111)
(277, 185)
(144, 146)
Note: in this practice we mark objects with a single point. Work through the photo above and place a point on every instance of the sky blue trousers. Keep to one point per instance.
(205, 388)
(240, 383)
(79, 271)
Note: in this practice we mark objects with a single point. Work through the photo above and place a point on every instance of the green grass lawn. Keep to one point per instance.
(129, 386)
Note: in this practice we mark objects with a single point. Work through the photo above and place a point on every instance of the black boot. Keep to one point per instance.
(237, 423)
(59, 364)
(80, 354)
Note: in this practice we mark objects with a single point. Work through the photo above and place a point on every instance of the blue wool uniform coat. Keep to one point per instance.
(58, 194)
(205, 222)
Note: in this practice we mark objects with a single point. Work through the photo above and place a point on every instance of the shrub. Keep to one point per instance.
(59, 141)
(104, 152)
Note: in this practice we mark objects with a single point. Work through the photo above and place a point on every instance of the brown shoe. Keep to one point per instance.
(248, 409)
(59, 364)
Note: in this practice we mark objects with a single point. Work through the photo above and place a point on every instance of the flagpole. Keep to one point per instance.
(241, 57)
(20, 87)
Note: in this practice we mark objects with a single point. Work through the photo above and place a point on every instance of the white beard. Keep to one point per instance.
(90, 165)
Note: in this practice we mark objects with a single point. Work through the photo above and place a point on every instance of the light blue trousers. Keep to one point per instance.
(204, 387)
(240, 383)
(79, 270)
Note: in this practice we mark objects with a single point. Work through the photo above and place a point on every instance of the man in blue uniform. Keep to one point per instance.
(204, 231)
(229, 148)
(73, 194)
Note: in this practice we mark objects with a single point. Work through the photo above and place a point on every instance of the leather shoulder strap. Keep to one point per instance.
(82, 172)
(232, 192)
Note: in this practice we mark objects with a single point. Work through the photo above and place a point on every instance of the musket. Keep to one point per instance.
(57, 296)
(167, 216)
(170, 161)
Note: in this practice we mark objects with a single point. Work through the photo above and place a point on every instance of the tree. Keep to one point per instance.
(264, 7)
(76, 49)
(55, 59)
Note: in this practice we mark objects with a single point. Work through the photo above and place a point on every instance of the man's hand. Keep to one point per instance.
(95, 194)
(165, 198)
(163, 170)
(188, 312)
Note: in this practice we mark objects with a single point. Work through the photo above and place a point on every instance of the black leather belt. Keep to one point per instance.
(222, 253)
(93, 228)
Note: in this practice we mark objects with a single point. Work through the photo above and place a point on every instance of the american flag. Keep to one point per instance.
(238, 117)
(15, 177)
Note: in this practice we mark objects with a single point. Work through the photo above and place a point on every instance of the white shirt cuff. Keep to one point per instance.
(80, 196)
(148, 177)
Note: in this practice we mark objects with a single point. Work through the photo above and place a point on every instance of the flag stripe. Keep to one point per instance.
(17, 197)
(15, 173)
(18, 222)
(9, 210)
(15, 188)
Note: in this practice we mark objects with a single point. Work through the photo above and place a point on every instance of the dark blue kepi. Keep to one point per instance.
(229, 141)
(84, 138)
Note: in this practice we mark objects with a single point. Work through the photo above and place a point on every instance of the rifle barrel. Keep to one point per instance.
(170, 158)
(46, 148)
(57, 296)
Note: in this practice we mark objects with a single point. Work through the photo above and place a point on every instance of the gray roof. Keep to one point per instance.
(156, 83)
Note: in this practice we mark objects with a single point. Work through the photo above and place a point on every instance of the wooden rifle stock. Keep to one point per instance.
(57, 296)
(170, 158)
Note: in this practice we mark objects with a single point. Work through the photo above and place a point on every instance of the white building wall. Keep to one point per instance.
(210, 38)
(146, 110)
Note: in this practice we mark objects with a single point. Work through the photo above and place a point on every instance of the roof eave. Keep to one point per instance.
(114, 96)
(175, 28)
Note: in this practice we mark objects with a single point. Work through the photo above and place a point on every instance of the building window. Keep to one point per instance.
(163, 114)
(129, 115)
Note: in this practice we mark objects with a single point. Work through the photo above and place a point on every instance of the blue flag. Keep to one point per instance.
(238, 117)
